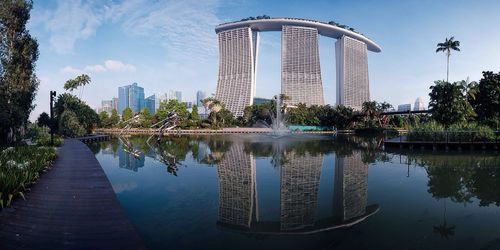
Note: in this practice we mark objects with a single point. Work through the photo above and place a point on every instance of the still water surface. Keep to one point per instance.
(302, 192)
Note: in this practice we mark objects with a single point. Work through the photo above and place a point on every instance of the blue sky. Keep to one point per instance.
(171, 44)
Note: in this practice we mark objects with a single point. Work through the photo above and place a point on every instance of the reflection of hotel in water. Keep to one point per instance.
(299, 190)
(351, 187)
(300, 177)
(237, 187)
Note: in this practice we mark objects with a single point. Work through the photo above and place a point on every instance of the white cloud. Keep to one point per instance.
(108, 66)
(184, 28)
(95, 68)
(71, 21)
(71, 70)
(113, 65)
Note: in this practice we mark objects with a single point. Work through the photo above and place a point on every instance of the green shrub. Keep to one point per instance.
(455, 133)
(19, 168)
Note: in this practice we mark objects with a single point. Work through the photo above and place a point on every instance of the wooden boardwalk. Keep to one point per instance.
(73, 206)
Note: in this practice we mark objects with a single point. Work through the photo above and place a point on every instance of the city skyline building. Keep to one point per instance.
(150, 104)
(131, 96)
(419, 104)
(404, 107)
(108, 105)
(300, 64)
(200, 95)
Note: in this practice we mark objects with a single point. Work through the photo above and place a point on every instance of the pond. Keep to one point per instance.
(302, 192)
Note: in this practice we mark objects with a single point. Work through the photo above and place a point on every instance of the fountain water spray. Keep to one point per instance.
(278, 126)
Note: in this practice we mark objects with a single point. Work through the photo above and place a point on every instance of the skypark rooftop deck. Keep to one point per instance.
(276, 24)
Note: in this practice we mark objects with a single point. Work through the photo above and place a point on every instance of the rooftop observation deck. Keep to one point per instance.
(276, 24)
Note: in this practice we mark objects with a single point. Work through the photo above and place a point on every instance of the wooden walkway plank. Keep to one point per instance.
(73, 206)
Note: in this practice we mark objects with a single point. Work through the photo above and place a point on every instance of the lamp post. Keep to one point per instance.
(52, 96)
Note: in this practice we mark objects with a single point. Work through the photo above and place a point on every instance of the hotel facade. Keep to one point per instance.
(300, 62)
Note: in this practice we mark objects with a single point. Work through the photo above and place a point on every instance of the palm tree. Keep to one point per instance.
(214, 106)
(448, 46)
(79, 81)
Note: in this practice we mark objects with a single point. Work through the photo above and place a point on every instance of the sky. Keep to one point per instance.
(172, 45)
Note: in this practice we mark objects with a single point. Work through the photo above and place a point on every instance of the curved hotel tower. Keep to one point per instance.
(300, 65)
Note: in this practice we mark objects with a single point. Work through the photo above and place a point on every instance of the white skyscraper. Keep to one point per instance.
(300, 69)
(352, 72)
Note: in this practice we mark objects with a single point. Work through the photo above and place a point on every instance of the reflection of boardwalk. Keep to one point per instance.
(299, 190)
(72, 206)
(237, 189)
(351, 187)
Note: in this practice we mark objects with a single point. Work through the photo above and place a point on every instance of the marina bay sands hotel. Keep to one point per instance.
(300, 66)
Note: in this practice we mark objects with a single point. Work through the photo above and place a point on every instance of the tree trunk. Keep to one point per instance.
(447, 65)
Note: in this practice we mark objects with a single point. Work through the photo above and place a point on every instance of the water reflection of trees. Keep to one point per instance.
(342, 146)
(462, 177)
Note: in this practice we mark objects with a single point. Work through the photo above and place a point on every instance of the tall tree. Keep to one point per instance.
(448, 104)
(79, 81)
(127, 114)
(144, 118)
(114, 118)
(103, 119)
(487, 101)
(447, 47)
(18, 82)
(43, 120)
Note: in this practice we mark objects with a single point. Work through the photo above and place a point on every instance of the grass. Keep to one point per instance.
(20, 167)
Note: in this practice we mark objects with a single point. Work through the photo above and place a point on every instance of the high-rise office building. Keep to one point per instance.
(131, 96)
(150, 104)
(404, 107)
(108, 105)
(178, 96)
(200, 95)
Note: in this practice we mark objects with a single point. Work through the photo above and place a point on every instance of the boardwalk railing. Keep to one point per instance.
(446, 139)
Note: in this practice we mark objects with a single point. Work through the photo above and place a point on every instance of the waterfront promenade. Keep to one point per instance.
(73, 206)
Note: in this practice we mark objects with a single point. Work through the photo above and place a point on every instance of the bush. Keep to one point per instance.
(19, 168)
(455, 133)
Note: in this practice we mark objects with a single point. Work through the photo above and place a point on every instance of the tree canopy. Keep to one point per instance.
(448, 104)
(86, 116)
(18, 82)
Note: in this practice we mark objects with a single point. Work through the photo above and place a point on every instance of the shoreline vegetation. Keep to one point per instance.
(20, 168)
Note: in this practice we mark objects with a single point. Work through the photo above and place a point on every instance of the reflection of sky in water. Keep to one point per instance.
(240, 191)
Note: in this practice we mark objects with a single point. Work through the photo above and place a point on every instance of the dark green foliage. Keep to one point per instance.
(486, 103)
(114, 118)
(43, 120)
(18, 82)
(432, 131)
(343, 117)
(145, 118)
(103, 118)
(20, 167)
(69, 124)
(81, 118)
(127, 114)
(448, 104)
(172, 105)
